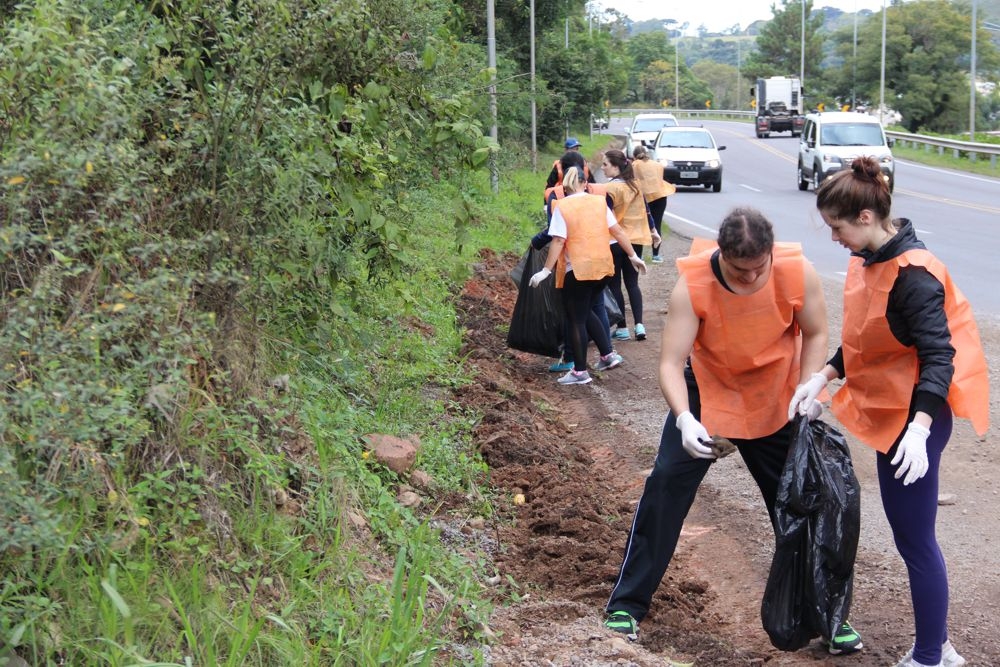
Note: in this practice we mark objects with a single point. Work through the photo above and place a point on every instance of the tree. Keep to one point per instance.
(927, 63)
(779, 44)
(721, 80)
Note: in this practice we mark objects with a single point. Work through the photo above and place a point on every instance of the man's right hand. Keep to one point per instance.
(805, 395)
(694, 437)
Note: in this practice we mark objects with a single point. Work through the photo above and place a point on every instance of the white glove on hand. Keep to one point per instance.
(537, 279)
(805, 395)
(912, 451)
(694, 437)
(639, 265)
(814, 411)
(656, 238)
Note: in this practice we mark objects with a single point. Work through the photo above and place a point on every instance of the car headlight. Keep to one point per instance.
(886, 160)
(666, 163)
(712, 164)
(832, 160)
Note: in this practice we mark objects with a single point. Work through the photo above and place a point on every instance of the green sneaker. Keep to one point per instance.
(621, 621)
(845, 641)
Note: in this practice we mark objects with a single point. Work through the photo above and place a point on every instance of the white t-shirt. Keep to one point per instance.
(557, 226)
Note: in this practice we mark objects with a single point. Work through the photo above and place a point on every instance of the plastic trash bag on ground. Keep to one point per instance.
(538, 323)
(818, 519)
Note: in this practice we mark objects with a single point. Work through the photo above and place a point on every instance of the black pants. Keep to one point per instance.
(666, 499)
(581, 299)
(657, 207)
(625, 272)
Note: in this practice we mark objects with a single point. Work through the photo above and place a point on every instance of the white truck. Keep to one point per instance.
(779, 105)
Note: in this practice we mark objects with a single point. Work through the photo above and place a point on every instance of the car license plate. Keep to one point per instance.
(689, 174)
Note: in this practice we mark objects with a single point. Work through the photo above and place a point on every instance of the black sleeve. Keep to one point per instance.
(837, 361)
(590, 176)
(917, 319)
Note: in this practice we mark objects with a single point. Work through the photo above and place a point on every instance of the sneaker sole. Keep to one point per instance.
(844, 651)
(567, 384)
(599, 367)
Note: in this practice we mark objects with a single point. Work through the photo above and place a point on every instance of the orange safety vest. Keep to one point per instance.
(649, 174)
(557, 165)
(746, 353)
(630, 211)
(588, 241)
(880, 372)
(592, 188)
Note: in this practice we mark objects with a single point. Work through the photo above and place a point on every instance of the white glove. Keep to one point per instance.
(639, 265)
(912, 451)
(805, 395)
(537, 279)
(694, 437)
(656, 238)
(814, 411)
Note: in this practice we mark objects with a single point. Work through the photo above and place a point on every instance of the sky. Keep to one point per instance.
(718, 15)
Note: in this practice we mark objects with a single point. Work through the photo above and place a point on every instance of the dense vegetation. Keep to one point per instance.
(232, 234)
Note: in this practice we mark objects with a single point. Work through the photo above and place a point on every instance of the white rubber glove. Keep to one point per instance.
(656, 238)
(814, 411)
(537, 279)
(694, 437)
(639, 265)
(805, 395)
(912, 452)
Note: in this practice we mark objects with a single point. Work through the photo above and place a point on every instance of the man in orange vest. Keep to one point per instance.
(747, 318)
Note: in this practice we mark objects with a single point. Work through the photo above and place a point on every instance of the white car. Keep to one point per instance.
(689, 156)
(644, 128)
(831, 140)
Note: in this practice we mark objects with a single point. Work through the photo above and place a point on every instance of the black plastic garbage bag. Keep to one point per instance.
(818, 520)
(538, 323)
(615, 314)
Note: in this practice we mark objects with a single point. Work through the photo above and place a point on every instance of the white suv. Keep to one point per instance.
(831, 140)
(644, 129)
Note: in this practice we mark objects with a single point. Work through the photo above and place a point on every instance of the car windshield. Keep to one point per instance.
(653, 124)
(685, 140)
(851, 134)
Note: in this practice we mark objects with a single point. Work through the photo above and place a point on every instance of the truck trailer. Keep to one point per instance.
(779, 105)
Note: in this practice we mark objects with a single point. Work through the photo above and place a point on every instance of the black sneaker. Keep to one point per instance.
(621, 621)
(845, 641)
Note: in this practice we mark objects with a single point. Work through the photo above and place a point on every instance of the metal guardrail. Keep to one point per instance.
(973, 150)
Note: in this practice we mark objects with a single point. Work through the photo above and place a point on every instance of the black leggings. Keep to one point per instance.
(580, 298)
(624, 271)
(657, 208)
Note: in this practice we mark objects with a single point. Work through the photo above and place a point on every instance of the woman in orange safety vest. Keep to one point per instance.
(649, 176)
(910, 358)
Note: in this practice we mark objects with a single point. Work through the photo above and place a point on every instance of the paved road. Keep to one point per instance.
(956, 214)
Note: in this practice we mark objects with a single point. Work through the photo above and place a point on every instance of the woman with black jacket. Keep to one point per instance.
(910, 358)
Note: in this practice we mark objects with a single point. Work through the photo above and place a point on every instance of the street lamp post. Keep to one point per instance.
(677, 73)
(972, 78)
(881, 82)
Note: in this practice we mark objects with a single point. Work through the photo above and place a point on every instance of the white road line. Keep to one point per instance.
(693, 223)
(749, 187)
(950, 172)
(925, 232)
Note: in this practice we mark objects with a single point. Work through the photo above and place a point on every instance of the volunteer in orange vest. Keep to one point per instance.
(746, 323)
(649, 175)
(910, 358)
(542, 238)
(555, 177)
(580, 253)
(629, 205)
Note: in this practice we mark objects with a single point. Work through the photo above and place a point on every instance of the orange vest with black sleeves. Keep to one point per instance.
(649, 174)
(630, 211)
(880, 372)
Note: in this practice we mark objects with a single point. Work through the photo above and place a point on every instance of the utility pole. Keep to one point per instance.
(972, 78)
(881, 83)
(534, 121)
(491, 49)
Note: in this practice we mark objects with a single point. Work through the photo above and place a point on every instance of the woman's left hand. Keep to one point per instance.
(912, 454)
(639, 265)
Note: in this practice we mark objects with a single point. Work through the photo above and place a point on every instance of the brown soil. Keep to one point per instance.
(580, 455)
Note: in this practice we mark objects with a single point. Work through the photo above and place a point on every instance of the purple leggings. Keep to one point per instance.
(912, 513)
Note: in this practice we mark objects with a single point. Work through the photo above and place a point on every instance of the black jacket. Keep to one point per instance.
(917, 319)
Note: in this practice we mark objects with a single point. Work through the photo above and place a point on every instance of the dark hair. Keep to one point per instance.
(640, 152)
(745, 234)
(845, 194)
(618, 159)
(572, 159)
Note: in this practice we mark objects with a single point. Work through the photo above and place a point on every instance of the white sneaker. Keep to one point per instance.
(913, 663)
(949, 657)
